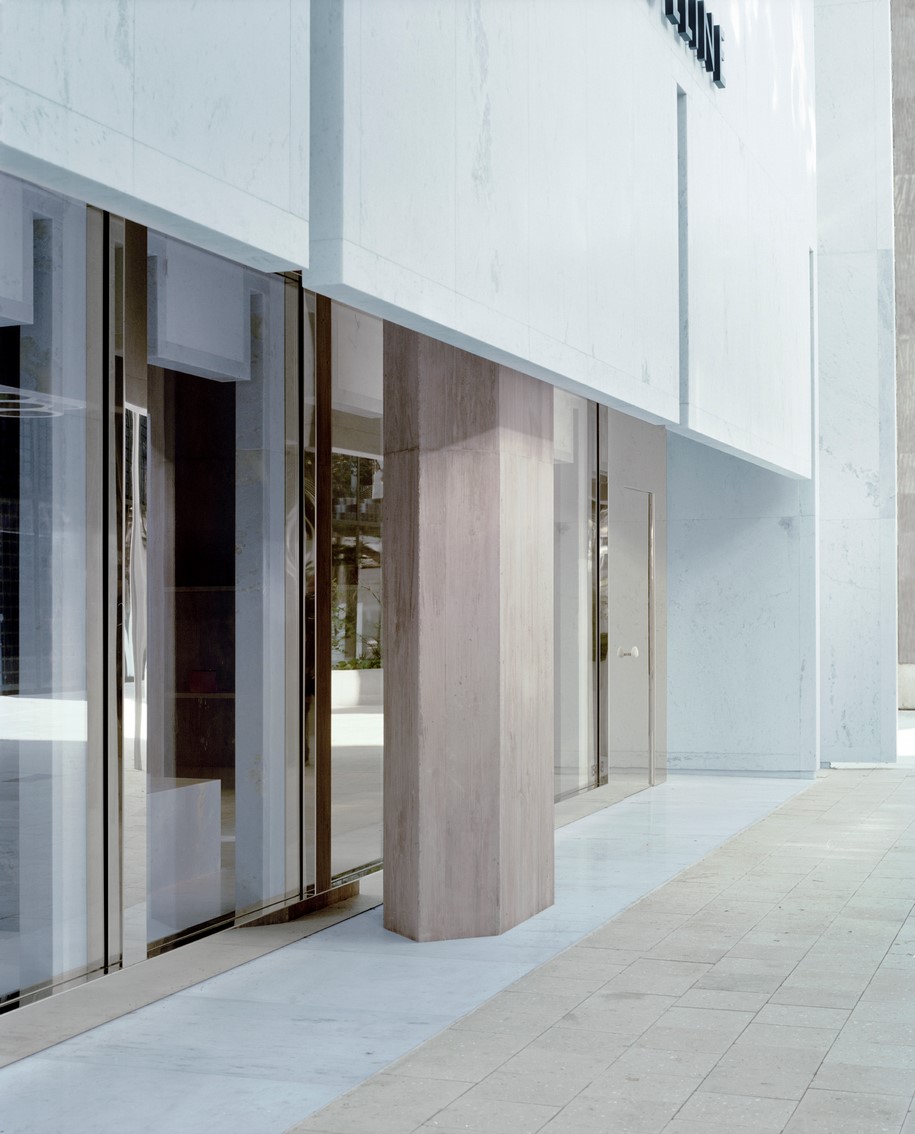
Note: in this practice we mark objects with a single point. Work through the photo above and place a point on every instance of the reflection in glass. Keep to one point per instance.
(43, 557)
(216, 565)
(575, 761)
(357, 491)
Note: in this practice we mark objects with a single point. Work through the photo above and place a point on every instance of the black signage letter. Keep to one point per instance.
(718, 69)
(707, 54)
(687, 21)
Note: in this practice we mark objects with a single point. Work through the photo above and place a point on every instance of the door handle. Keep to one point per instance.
(631, 653)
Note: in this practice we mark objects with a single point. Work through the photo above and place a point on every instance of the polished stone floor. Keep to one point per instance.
(262, 1046)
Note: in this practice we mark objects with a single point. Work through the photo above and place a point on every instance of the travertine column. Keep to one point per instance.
(468, 617)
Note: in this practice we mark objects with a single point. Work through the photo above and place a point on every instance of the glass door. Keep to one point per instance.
(51, 914)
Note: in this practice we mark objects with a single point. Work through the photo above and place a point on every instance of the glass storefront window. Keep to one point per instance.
(357, 672)
(205, 566)
(45, 788)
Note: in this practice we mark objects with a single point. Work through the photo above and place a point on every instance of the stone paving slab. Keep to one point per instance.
(769, 988)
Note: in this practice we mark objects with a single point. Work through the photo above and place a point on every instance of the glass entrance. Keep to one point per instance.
(50, 860)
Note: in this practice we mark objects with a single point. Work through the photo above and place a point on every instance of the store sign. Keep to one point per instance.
(696, 25)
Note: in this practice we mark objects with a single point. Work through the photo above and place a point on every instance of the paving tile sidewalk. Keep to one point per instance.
(768, 988)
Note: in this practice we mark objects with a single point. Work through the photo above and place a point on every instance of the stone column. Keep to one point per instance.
(468, 629)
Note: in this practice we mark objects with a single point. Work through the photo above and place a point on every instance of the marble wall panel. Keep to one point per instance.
(503, 188)
(191, 118)
(733, 623)
(741, 622)
(846, 142)
(492, 127)
(234, 122)
(858, 680)
(561, 201)
(632, 300)
(849, 326)
(76, 56)
(748, 368)
(857, 383)
(399, 120)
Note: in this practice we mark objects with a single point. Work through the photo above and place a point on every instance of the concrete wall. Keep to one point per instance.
(510, 181)
(857, 490)
(191, 118)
